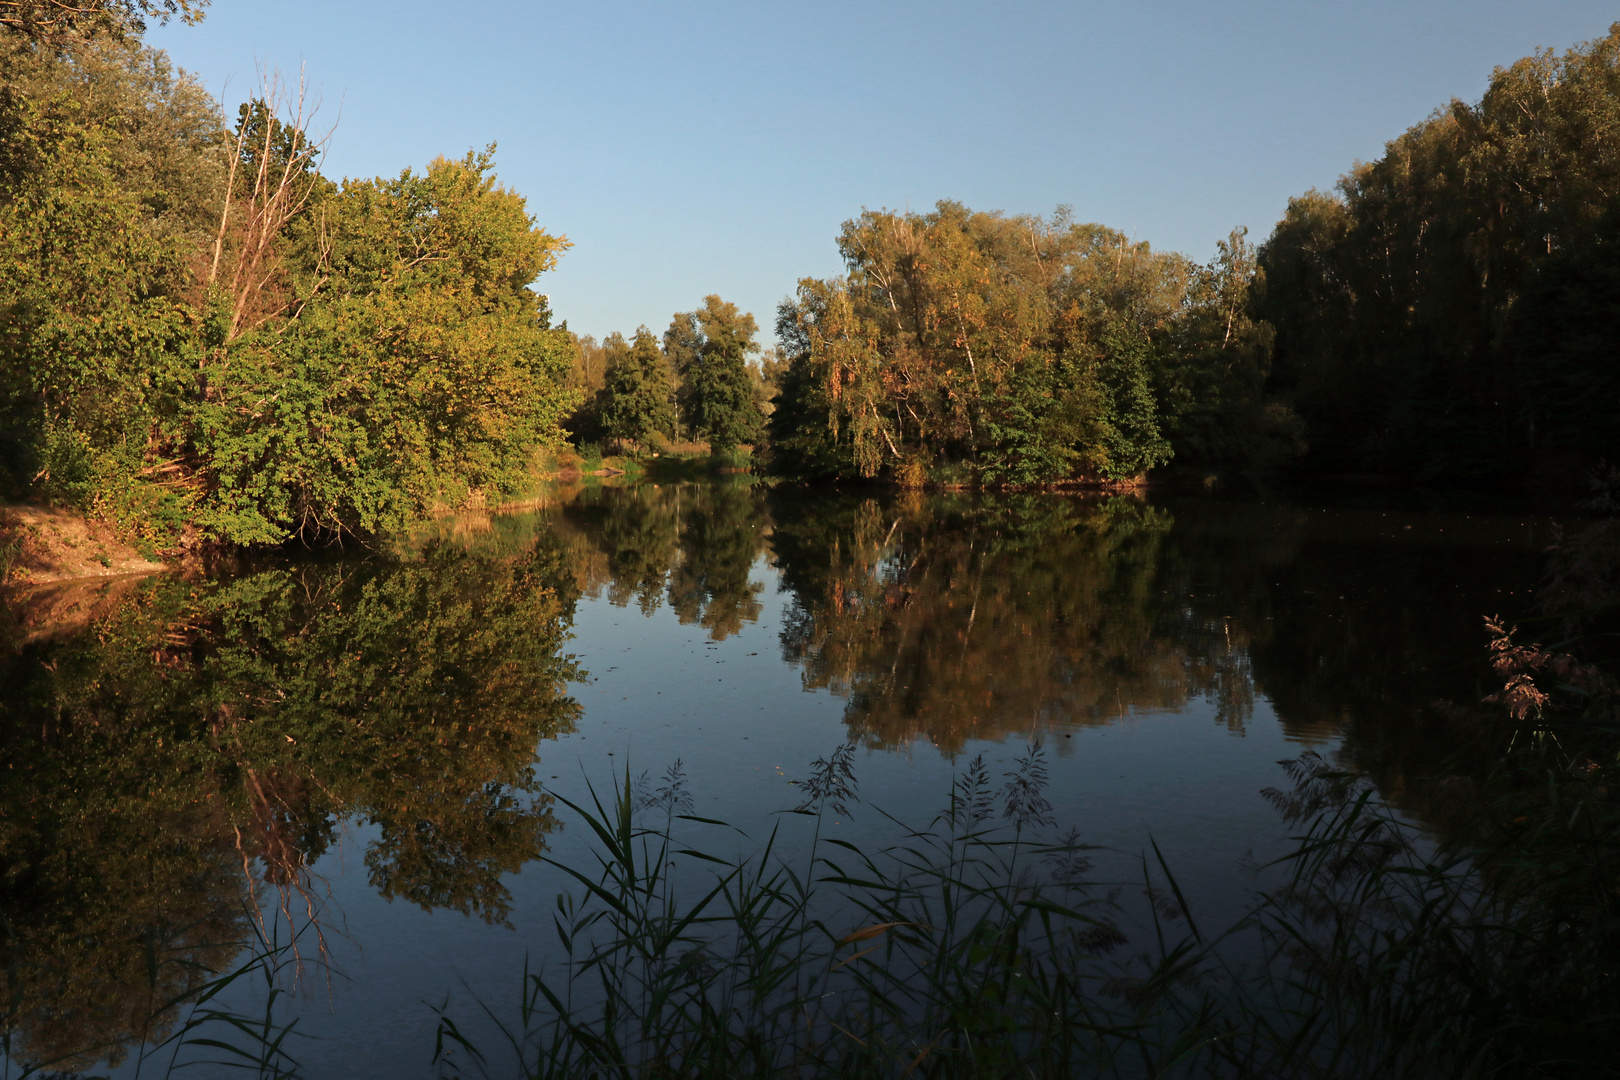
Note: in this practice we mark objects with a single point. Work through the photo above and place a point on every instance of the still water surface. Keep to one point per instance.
(385, 739)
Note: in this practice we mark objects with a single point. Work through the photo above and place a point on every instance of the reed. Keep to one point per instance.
(979, 945)
(973, 946)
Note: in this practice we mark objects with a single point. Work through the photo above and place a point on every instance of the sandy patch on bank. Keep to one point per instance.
(45, 545)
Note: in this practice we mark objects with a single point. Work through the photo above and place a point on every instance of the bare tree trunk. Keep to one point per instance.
(280, 191)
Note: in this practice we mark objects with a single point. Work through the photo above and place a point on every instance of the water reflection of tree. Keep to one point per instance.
(955, 618)
(959, 617)
(692, 545)
(1361, 619)
(201, 728)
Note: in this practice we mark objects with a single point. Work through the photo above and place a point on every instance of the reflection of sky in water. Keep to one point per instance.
(743, 724)
(1169, 655)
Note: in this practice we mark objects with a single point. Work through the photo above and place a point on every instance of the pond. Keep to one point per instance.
(387, 742)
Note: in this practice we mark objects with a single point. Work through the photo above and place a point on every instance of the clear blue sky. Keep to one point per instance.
(716, 147)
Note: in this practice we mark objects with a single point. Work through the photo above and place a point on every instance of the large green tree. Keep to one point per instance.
(111, 167)
(710, 347)
(415, 368)
(981, 348)
(637, 403)
(201, 334)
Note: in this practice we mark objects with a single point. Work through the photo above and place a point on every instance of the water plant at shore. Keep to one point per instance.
(981, 944)
(985, 944)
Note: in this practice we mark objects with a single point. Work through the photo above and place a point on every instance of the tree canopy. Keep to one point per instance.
(53, 20)
(200, 332)
(981, 347)
(637, 402)
(1438, 314)
(710, 348)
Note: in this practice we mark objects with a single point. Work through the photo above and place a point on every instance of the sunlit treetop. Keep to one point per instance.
(51, 20)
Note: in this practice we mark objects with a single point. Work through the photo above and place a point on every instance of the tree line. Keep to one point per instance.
(203, 338)
(1445, 314)
(1448, 311)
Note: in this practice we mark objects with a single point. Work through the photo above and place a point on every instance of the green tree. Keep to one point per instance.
(637, 400)
(109, 178)
(976, 347)
(54, 20)
(197, 329)
(1402, 303)
(421, 370)
(717, 390)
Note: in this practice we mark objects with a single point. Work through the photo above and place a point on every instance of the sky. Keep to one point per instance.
(716, 147)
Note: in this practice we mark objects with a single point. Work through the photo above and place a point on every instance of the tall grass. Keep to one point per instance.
(973, 946)
(979, 946)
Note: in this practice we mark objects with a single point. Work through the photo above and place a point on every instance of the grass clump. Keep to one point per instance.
(982, 945)
(973, 946)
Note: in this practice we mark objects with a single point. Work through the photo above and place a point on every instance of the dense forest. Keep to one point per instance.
(1450, 311)
(204, 339)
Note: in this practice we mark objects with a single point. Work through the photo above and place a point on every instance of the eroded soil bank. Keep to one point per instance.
(39, 545)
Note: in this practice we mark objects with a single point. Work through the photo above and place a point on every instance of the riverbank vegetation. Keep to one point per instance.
(980, 348)
(1441, 316)
(1446, 313)
(205, 339)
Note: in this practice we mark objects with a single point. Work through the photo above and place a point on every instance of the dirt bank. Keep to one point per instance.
(40, 544)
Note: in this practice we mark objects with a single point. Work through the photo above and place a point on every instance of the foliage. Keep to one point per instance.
(1029, 350)
(709, 349)
(1424, 317)
(110, 159)
(421, 373)
(54, 20)
(963, 950)
(199, 331)
(637, 400)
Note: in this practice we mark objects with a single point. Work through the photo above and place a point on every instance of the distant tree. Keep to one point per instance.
(637, 402)
(588, 373)
(1131, 438)
(710, 349)
(981, 347)
(683, 343)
